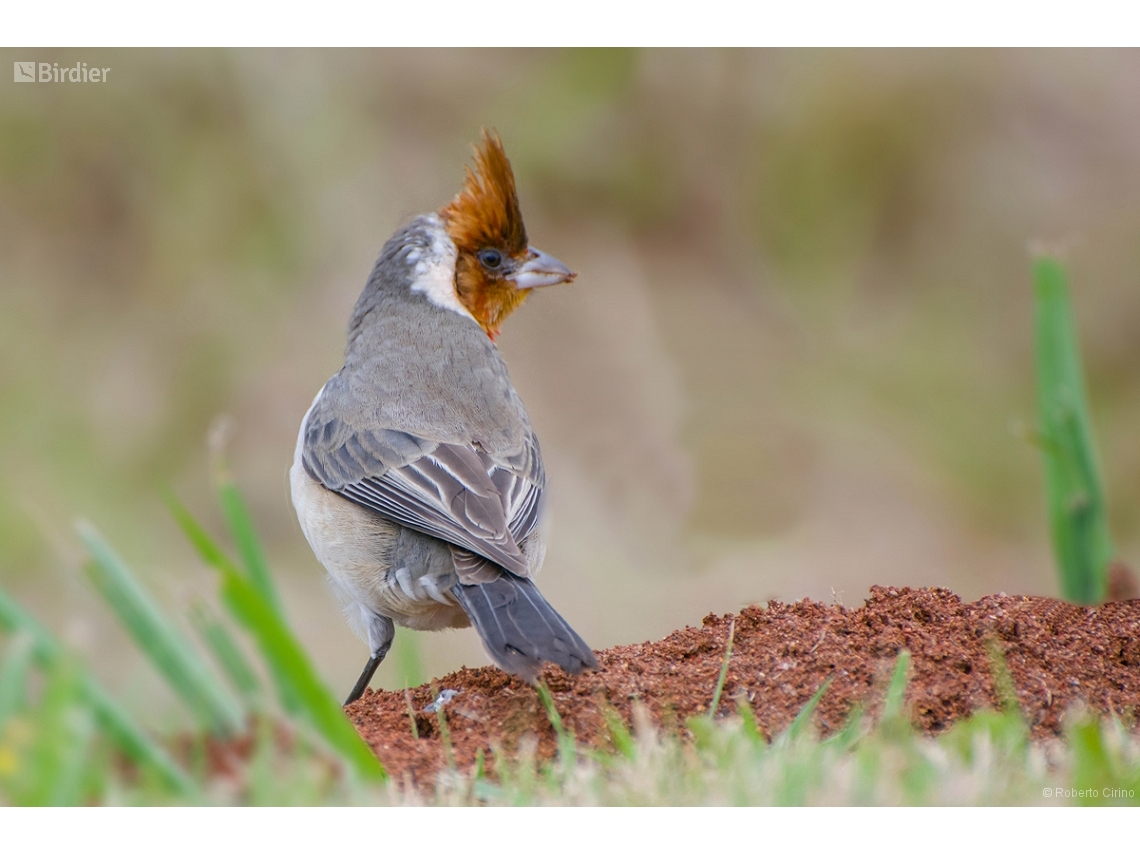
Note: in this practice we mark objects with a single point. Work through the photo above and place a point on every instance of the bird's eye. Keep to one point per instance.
(491, 258)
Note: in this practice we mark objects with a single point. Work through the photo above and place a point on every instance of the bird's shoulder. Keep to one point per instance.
(352, 433)
(481, 499)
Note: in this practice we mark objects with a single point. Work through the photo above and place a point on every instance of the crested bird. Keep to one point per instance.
(417, 478)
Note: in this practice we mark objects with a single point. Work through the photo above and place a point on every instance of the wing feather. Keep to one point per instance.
(457, 493)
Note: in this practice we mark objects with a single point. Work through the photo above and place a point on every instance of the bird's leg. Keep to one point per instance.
(365, 678)
(381, 631)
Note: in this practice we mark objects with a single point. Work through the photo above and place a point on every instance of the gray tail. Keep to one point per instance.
(520, 630)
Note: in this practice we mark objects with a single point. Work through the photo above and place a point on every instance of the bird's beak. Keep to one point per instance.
(540, 270)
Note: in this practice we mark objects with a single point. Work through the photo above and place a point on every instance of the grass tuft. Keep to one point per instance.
(298, 684)
(171, 654)
(50, 654)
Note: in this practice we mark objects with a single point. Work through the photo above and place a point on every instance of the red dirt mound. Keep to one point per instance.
(1057, 654)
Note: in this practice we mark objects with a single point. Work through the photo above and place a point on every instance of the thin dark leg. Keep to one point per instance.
(381, 631)
(365, 678)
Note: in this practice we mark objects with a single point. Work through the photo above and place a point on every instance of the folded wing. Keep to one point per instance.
(457, 493)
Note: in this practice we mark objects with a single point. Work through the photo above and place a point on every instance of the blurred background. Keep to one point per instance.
(796, 361)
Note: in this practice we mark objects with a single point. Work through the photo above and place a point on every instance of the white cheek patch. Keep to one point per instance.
(437, 283)
(434, 277)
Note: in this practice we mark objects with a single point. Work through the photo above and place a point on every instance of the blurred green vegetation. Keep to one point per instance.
(800, 334)
(60, 742)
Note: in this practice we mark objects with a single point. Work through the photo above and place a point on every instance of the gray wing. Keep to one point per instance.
(458, 493)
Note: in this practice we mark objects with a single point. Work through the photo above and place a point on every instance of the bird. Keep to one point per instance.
(417, 478)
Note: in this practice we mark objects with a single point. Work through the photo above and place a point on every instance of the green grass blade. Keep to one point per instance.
(226, 652)
(723, 671)
(133, 742)
(896, 689)
(619, 733)
(567, 745)
(119, 726)
(853, 730)
(278, 645)
(552, 714)
(406, 652)
(67, 788)
(804, 715)
(411, 714)
(64, 734)
(480, 771)
(1004, 686)
(1092, 766)
(48, 750)
(444, 732)
(749, 726)
(240, 523)
(14, 674)
(214, 556)
(284, 654)
(169, 652)
(1078, 519)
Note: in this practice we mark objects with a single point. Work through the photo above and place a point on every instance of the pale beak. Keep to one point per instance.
(540, 270)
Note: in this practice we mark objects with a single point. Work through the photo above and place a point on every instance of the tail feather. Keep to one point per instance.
(520, 629)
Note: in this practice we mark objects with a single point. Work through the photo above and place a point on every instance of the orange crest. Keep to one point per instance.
(486, 212)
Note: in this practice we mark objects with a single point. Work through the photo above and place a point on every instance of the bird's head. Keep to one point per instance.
(495, 268)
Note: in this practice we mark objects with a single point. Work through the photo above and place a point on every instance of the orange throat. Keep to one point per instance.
(488, 302)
